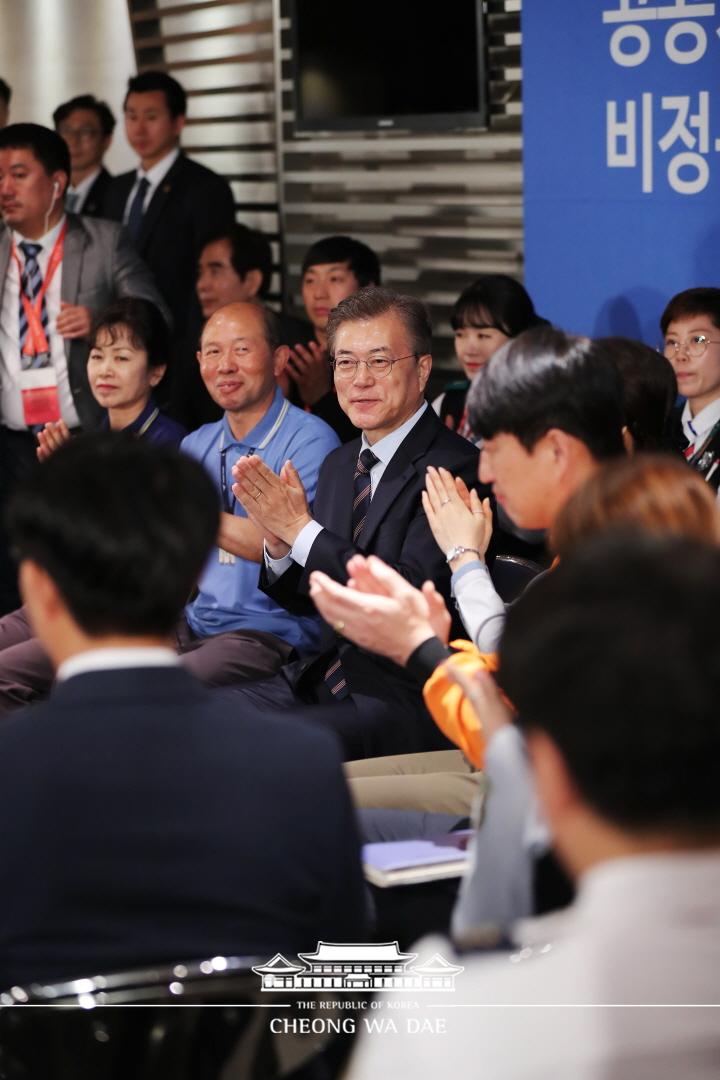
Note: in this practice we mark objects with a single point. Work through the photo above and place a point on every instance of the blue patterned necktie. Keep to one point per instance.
(137, 208)
(335, 676)
(30, 285)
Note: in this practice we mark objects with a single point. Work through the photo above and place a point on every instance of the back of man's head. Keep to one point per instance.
(123, 529)
(546, 379)
(44, 143)
(616, 657)
(361, 259)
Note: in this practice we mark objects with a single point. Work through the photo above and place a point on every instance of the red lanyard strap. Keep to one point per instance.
(36, 341)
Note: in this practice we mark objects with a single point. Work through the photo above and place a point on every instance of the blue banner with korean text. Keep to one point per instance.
(622, 159)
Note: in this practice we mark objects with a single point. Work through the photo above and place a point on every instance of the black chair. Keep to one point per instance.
(87, 1041)
(511, 575)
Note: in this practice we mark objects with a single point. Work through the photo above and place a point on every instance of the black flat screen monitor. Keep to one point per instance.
(388, 64)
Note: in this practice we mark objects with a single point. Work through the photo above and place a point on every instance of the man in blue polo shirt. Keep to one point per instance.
(232, 631)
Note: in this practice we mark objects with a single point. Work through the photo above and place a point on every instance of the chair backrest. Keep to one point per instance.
(233, 1040)
(511, 575)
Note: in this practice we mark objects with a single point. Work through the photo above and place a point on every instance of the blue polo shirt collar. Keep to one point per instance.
(262, 429)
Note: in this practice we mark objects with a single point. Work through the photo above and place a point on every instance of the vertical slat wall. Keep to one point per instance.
(439, 209)
(222, 53)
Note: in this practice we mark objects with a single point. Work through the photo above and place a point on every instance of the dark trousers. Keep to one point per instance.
(18, 458)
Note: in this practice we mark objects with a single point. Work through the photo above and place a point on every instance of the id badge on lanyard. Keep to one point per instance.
(38, 378)
(40, 398)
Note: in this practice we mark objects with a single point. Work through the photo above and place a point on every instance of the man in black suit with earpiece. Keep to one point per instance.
(171, 205)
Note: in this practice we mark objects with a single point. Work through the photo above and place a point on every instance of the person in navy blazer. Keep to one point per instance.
(155, 823)
(383, 712)
(186, 203)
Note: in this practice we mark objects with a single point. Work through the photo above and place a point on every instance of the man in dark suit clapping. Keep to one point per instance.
(158, 823)
(368, 500)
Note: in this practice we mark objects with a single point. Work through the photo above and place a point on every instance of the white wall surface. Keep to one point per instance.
(51, 50)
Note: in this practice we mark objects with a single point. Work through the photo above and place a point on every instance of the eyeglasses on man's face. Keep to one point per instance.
(694, 346)
(345, 367)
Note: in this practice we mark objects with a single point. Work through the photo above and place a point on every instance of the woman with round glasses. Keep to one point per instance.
(691, 328)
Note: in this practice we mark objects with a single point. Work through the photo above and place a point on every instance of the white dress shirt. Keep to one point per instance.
(10, 366)
(154, 177)
(113, 658)
(80, 193)
(695, 428)
(644, 930)
(384, 450)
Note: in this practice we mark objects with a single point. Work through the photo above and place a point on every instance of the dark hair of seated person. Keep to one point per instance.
(625, 679)
(690, 302)
(361, 259)
(44, 144)
(544, 379)
(143, 324)
(249, 250)
(121, 527)
(649, 391)
(497, 301)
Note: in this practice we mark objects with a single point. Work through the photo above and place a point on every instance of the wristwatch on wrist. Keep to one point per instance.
(455, 552)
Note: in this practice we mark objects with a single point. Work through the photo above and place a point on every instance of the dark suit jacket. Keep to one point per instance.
(98, 267)
(95, 201)
(154, 823)
(396, 529)
(191, 205)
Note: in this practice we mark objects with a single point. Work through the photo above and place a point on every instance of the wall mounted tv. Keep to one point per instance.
(378, 65)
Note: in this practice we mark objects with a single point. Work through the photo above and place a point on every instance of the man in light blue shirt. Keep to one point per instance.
(232, 630)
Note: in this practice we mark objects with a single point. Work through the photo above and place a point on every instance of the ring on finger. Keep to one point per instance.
(444, 502)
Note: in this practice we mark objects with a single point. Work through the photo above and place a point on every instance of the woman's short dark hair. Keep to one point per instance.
(495, 301)
(702, 301)
(145, 327)
(546, 379)
(122, 526)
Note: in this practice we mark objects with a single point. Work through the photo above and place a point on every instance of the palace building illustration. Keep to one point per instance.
(357, 967)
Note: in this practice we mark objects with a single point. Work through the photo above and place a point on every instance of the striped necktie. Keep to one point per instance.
(30, 284)
(335, 676)
(362, 488)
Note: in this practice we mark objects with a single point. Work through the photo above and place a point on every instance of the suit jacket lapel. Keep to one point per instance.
(72, 260)
(4, 253)
(159, 199)
(337, 513)
(72, 265)
(399, 473)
